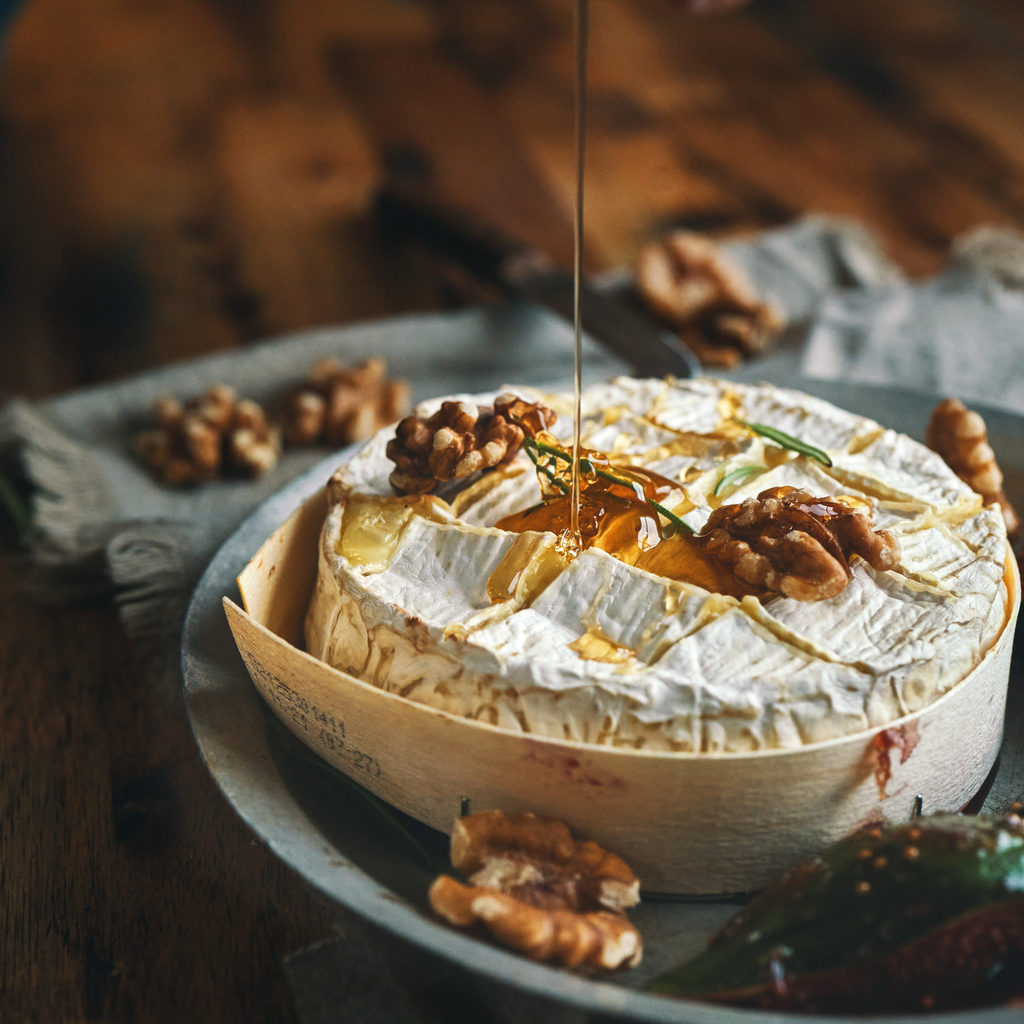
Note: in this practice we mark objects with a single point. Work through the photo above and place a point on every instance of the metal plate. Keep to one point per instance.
(340, 843)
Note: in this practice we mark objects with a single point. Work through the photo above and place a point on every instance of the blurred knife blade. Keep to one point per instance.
(518, 270)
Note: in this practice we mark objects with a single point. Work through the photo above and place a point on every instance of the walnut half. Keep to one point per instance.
(540, 892)
(959, 435)
(791, 543)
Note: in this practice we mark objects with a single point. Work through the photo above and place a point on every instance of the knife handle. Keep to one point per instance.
(458, 235)
(523, 271)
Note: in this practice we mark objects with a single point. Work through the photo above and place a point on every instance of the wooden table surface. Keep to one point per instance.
(191, 175)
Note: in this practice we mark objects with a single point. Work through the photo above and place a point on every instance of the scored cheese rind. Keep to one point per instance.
(598, 651)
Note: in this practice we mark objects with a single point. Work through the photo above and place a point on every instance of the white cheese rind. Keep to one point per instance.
(601, 652)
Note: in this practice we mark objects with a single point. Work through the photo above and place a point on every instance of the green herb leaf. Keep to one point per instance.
(532, 444)
(803, 924)
(15, 509)
(621, 478)
(780, 437)
(736, 475)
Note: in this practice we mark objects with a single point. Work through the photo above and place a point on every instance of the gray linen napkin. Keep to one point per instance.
(960, 333)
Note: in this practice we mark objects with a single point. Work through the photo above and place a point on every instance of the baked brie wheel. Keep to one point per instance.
(643, 640)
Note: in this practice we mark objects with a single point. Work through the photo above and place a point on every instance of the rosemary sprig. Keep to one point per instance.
(780, 437)
(533, 447)
(736, 475)
(546, 470)
(671, 517)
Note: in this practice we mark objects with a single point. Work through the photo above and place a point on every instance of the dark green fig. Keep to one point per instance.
(919, 915)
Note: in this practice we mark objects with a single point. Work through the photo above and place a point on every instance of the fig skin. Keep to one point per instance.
(916, 916)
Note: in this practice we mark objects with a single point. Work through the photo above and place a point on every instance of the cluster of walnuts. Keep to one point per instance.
(710, 302)
(220, 434)
(534, 888)
(207, 437)
(461, 439)
(340, 404)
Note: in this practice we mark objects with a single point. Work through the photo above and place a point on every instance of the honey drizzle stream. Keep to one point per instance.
(571, 542)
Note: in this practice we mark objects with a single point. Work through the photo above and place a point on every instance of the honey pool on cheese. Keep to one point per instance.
(427, 598)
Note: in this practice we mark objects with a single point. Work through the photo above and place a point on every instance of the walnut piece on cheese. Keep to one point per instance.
(461, 439)
(789, 542)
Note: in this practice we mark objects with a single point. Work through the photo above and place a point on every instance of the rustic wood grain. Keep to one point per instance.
(131, 890)
(191, 175)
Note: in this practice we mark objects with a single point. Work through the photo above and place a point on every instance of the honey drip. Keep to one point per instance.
(570, 540)
(530, 565)
(618, 520)
(598, 512)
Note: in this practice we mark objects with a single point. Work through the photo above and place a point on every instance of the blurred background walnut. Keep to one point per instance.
(959, 435)
(340, 404)
(708, 300)
(214, 435)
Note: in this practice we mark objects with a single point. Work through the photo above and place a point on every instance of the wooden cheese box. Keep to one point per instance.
(687, 823)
